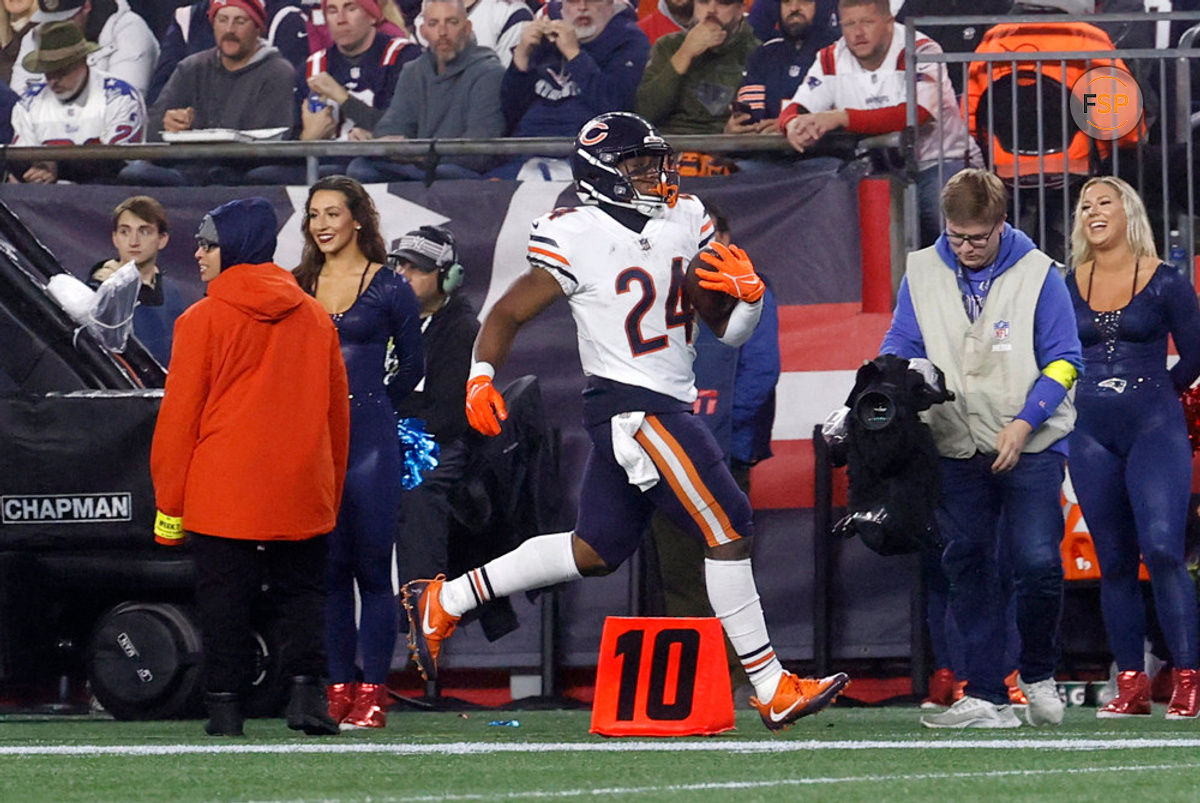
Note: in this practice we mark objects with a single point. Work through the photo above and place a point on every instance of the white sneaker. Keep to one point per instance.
(972, 712)
(1045, 706)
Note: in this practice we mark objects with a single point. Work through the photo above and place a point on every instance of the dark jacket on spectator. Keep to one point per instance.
(764, 18)
(441, 402)
(775, 70)
(190, 32)
(259, 95)
(696, 102)
(555, 97)
(464, 101)
(8, 99)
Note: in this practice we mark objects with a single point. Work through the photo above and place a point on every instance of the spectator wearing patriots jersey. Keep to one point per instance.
(358, 73)
(858, 84)
(125, 45)
(693, 77)
(668, 17)
(74, 105)
(774, 71)
(497, 24)
(286, 27)
(394, 23)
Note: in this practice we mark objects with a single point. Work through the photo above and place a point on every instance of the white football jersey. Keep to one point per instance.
(626, 290)
(108, 111)
(836, 80)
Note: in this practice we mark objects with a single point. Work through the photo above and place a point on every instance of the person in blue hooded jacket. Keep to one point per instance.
(575, 60)
(989, 309)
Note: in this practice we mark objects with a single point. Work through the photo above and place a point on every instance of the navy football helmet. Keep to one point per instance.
(598, 164)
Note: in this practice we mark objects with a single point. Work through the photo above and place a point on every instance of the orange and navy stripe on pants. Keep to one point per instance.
(680, 473)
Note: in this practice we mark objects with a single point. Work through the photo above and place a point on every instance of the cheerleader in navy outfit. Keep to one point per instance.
(375, 312)
(1131, 463)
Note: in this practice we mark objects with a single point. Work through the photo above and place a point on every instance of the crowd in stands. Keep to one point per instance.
(404, 69)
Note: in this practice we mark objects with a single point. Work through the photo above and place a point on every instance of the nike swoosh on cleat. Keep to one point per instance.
(780, 716)
(429, 631)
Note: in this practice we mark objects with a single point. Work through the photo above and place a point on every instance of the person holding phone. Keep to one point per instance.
(775, 70)
(693, 76)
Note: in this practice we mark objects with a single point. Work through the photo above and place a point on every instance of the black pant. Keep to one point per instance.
(229, 576)
(424, 534)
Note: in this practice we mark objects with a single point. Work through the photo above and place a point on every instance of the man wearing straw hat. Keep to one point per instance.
(73, 105)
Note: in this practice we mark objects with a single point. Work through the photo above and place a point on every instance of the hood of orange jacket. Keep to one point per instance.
(265, 291)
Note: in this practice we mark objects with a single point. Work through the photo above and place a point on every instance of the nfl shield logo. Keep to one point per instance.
(1000, 330)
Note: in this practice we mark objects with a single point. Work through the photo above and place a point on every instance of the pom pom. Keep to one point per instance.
(418, 450)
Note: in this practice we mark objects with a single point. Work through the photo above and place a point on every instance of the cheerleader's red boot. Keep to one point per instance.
(370, 707)
(1133, 697)
(341, 699)
(1185, 700)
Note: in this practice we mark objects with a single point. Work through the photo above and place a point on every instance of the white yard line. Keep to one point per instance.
(663, 746)
(634, 791)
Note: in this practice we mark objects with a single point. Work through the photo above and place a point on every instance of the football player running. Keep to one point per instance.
(619, 260)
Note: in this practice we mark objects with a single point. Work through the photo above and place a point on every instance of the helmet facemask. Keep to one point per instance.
(652, 176)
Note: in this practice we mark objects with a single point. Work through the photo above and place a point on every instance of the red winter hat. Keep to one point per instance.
(370, 6)
(255, 8)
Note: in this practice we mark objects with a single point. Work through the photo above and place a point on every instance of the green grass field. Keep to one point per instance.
(844, 754)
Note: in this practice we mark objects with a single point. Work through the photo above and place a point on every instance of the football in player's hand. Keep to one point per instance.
(713, 306)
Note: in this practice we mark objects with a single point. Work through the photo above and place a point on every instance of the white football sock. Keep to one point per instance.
(541, 561)
(734, 599)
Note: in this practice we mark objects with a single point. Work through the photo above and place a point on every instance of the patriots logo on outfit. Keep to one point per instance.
(715, 98)
(813, 82)
(560, 86)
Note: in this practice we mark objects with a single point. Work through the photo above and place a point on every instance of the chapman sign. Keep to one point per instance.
(66, 508)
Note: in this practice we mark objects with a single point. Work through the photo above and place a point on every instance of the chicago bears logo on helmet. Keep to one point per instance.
(593, 134)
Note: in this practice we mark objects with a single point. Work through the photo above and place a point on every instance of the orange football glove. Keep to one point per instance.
(733, 275)
(485, 405)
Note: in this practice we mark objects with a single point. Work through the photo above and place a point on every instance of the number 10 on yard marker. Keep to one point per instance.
(662, 676)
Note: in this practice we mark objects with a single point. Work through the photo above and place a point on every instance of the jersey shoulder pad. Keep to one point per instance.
(395, 47)
(32, 90)
(115, 88)
(563, 219)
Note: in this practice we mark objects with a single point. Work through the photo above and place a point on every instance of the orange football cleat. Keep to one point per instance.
(428, 623)
(1133, 697)
(798, 697)
(341, 699)
(370, 707)
(1015, 695)
(1185, 700)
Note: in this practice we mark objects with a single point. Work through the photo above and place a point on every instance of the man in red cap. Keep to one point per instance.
(353, 79)
(191, 31)
(243, 83)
